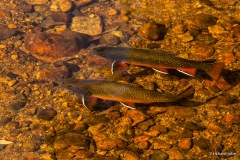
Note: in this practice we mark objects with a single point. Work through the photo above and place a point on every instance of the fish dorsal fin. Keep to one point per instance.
(209, 61)
(119, 67)
(165, 92)
(129, 105)
(161, 70)
(188, 71)
(89, 101)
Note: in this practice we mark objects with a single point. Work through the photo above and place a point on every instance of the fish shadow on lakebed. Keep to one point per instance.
(231, 77)
(106, 104)
(171, 74)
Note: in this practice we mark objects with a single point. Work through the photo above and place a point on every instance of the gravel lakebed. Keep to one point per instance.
(42, 41)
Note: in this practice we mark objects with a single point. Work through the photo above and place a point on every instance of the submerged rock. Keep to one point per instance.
(152, 31)
(4, 120)
(71, 139)
(82, 3)
(35, 2)
(87, 25)
(201, 21)
(52, 47)
(47, 114)
(53, 74)
(65, 5)
(200, 52)
(159, 155)
(232, 119)
(202, 143)
(6, 32)
(185, 143)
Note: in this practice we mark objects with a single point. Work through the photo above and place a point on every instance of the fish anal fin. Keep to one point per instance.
(89, 102)
(187, 71)
(119, 67)
(187, 93)
(129, 105)
(161, 70)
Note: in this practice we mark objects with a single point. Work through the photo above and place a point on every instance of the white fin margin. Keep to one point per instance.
(185, 73)
(127, 105)
(159, 71)
(84, 103)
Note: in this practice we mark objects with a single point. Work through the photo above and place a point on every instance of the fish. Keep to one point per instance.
(128, 94)
(159, 60)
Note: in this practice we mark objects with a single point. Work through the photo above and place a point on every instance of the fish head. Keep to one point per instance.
(112, 53)
(101, 51)
(79, 86)
(74, 85)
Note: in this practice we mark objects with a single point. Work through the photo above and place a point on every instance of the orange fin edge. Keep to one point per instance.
(119, 67)
(187, 92)
(89, 102)
(215, 71)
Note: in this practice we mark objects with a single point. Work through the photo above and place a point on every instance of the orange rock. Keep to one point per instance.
(6, 32)
(137, 116)
(5, 14)
(185, 143)
(53, 74)
(52, 47)
(232, 119)
(237, 54)
(200, 52)
(152, 31)
(128, 155)
(140, 139)
(158, 144)
(228, 58)
(103, 142)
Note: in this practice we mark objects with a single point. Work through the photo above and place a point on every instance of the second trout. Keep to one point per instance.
(128, 94)
(159, 60)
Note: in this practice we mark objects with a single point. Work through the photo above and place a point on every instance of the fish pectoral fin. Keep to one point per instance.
(129, 105)
(89, 102)
(188, 71)
(119, 67)
(161, 70)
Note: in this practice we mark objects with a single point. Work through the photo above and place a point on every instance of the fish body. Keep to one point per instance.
(122, 92)
(159, 60)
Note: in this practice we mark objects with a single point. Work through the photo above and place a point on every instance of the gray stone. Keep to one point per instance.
(87, 25)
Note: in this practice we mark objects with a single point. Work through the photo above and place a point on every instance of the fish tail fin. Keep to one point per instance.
(215, 70)
(187, 93)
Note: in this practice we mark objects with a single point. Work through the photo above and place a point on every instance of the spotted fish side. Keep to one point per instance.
(159, 60)
(127, 94)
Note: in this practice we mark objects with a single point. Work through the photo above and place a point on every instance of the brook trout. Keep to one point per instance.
(159, 60)
(126, 93)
